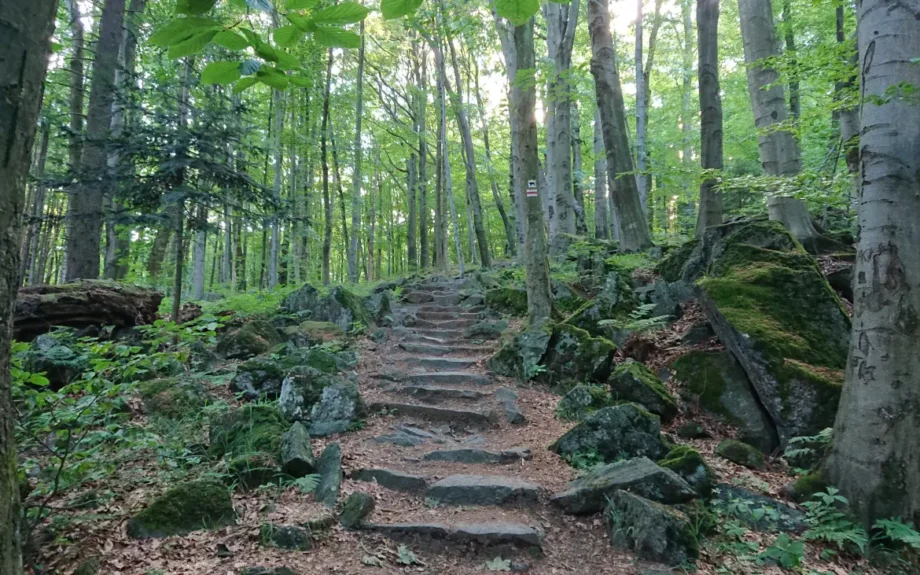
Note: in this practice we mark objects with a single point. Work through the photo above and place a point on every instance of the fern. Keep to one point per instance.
(827, 522)
(307, 483)
(898, 531)
(639, 320)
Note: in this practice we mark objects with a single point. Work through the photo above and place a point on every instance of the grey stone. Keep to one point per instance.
(435, 394)
(443, 362)
(337, 410)
(780, 517)
(485, 534)
(409, 436)
(488, 329)
(267, 571)
(632, 381)
(432, 413)
(589, 493)
(329, 468)
(651, 530)
(395, 480)
(470, 455)
(699, 332)
(620, 431)
(583, 400)
(288, 537)
(418, 297)
(296, 451)
(483, 490)
(449, 378)
(356, 508)
(508, 400)
(740, 453)
(301, 389)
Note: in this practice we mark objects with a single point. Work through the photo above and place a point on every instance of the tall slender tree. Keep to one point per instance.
(324, 159)
(707, 22)
(356, 171)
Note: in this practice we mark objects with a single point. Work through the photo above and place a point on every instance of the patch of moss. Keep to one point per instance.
(690, 465)
(172, 397)
(184, 508)
(699, 370)
(507, 300)
(807, 485)
(573, 355)
(583, 400)
(740, 453)
(671, 266)
(253, 428)
(632, 381)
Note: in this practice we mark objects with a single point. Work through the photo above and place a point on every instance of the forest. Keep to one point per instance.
(459, 286)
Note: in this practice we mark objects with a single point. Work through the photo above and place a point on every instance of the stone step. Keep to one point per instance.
(437, 394)
(445, 323)
(476, 456)
(484, 490)
(439, 333)
(420, 338)
(448, 378)
(439, 414)
(446, 315)
(418, 297)
(451, 308)
(437, 287)
(395, 480)
(450, 299)
(442, 349)
(433, 362)
(485, 534)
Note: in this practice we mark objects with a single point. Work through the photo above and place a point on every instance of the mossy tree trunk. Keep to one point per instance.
(875, 460)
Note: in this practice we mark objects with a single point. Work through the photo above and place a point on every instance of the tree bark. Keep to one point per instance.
(199, 251)
(641, 111)
(795, 101)
(421, 117)
(601, 230)
(445, 157)
(707, 22)
(581, 227)
(412, 221)
(184, 101)
(86, 213)
(77, 92)
(874, 458)
(633, 228)
(356, 176)
(31, 242)
(324, 155)
(848, 117)
(779, 150)
(25, 32)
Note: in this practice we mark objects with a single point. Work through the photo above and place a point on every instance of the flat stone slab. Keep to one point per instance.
(448, 378)
(451, 308)
(395, 480)
(418, 297)
(479, 455)
(409, 436)
(451, 299)
(433, 362)
(589, 493)
(483, 490)
(485, 534)
(420, 338)
(441, 348)
(434, 393)
(446, 315)
(458, 416)
(439, 333)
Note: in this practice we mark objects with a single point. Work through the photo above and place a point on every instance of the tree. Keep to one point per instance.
(707, 22)
(877, 435)
(324, 158)
(356, 174)
(634, 232)
(601, 230)
(25, 46)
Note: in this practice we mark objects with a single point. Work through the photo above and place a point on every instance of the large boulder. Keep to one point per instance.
(590, 492)
(520, 357)
(309, 333)
(55, 355)
(258, 378)
(574, 356)
(583, 400)
(621, 431)
(173, 397)
(632, 381)
(302, 388)
(615, 300)
(779, 317)
(740, 453)
(651, 530)
(253, 338)
(510, 300)
(183, 509)
(340, 306)
(716, 382)
(339, 408)
(691, 467)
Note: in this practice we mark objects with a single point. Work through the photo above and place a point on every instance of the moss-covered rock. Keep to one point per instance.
(615, 300)
(339, 408)
(258, 378)
(253, 338)
(690, 465)
(632, 381)
(184, 508)
(716, 382)
(173, 397)
(583, 400)
(251, 470)
(740, 453)
(520, 357)
(777, 314)
(340, 306)
(358, 506)
(565, 298)
(288, 537)
(671, 266)
(247, 430)
(651, 530)
(510, 300)
(487, 329)
(691, 430)
(301, 389)
(574, 356)
(620, 431)
(309, 333)
(297, 452)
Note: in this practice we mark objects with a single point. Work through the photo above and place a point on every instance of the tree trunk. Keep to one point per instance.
(421, 111)
(31, 242)
(686, 114)
(647, 93)
(601, 230)
(707, 22)
(877, 435)
(180, 181)
(356, 176)
(795, 102)
(86, 213)
(779, 151)
(199, 251)
(411, 186)
(448, 184)
(327, 203)
(634, 232)
(440, 251)
(793, 213)
(25, 31)
(277, 152)
(337, 179)
(581, 227)
(640, 111)
(848, 118)
(77, 91)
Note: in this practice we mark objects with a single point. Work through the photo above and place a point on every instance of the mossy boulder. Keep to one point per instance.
(690, 465)
(356, 508)
(301, 389)
(510, 300)
(328, 359)
(779, 317)
(378, 305)
(651, 530)
(632, 381)
(339, 408)
(617, 432)
(671, 266)
(808, 485)
(615, 300)
(740, 453)
(520, 357)
(715, 381)
(258, 378)
(583, 400)
(185, 508)
(173, 397)
(255, 428)
(340, 306)
(288, 537)
(565, 298)
(574, 356)
(309, 333)
(253, 338)
(691, 430)
(487, 329)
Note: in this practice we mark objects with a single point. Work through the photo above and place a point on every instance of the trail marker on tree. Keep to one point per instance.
(531, 188)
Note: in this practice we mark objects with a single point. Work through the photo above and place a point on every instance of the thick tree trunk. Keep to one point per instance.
(795, 101)
(779, 150)
(848, 118)
(641, 111)
(184, 106)
(633, 228)
(581, 227)
(86, 212)
(647, 92)
(445, 158)
(601, 230)
(77, 92)
(356, 175)
(707, 22)
(324, 154)
(874, 459)
(25, 31)
(686, 114)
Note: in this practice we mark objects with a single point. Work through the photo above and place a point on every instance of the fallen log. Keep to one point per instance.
(80, 304)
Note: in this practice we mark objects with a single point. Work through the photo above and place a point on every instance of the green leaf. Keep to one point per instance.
(499, 564)
(286, 61)
(398, 8)
(38, 379)
(299, 4)
(287, 36)
(272, 77)
(245, 83)
(251, 37)
(194, 7)
(262, 5)
(336, 37)
(300, 81)
(303, 22)
(180, 29)
(191, 46)
(230, 40)
(266, 52)
(220, 73)
(518, 12)
(344, 13)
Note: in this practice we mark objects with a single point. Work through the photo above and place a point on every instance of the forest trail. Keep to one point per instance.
(456, 458)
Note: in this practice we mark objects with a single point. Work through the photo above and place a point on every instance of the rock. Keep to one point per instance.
(185, 508)
(589, 493)
(488, 329)
(565, 298)
(395, 480)
(380, 335)
(253, 428)
(620, 431)
(508, 300)
(583, 400)
(418, 297)
(325, 359)
(778, 316)
(691, 467)
(716, 381)
(339, 408)
(484, 534)
(340, 307)
(691, 430)
(632, 381)
(808, 452)
(173, 397)
(483, 490)
(297, 452)
(508, 400)
(50, 354)
(740, 453)
(749, 507)
(253, 338)
(699, 332)
(470, 455)
(651, 530)
(289, 537)
(258, 378)
(520, 357)
(378, 306)
(573, 356)
(803, 488)
(408, 436)
(356, 508)
(459, 417)
(615, 300)
(302, 389)
(308, 333)
(329, 468)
